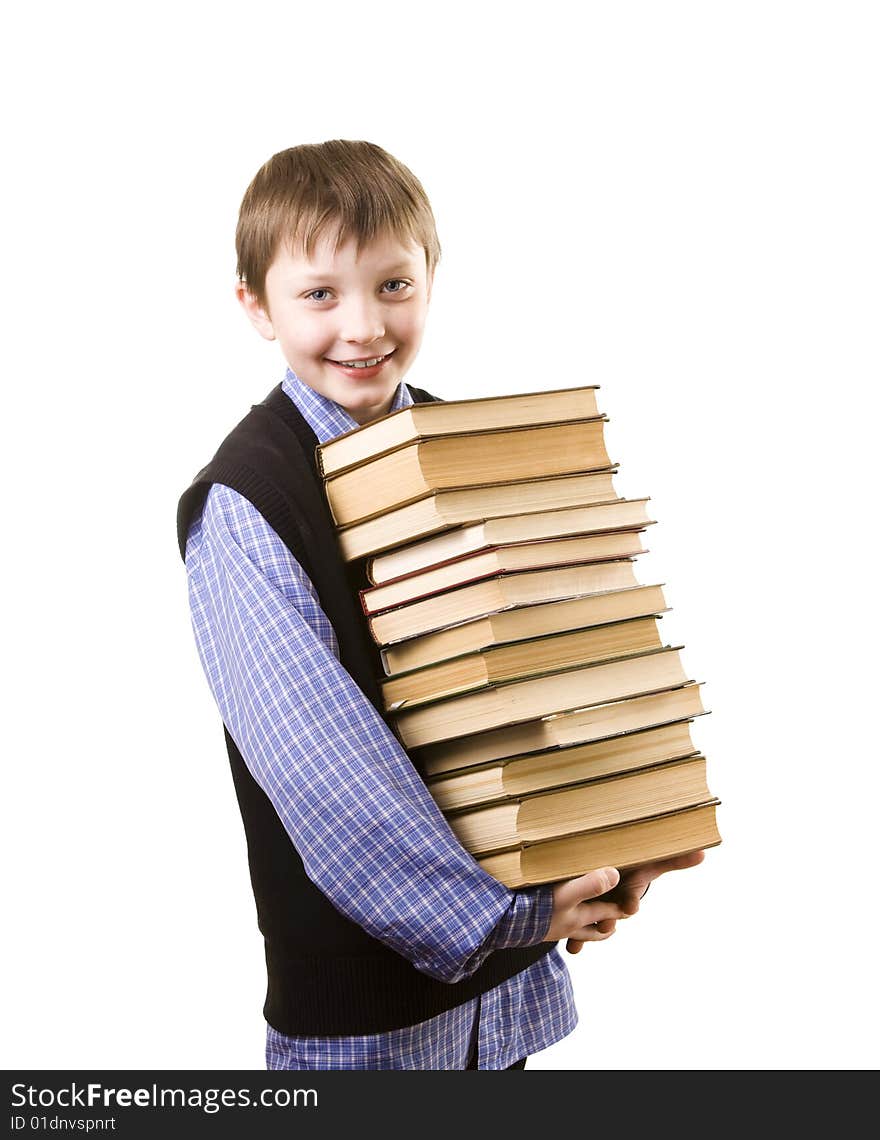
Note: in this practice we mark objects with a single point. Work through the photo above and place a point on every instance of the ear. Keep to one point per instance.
(257, 315)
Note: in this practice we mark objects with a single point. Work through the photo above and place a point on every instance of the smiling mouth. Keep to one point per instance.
(369, 362)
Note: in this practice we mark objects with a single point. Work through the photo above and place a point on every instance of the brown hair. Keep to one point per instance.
(354, 187)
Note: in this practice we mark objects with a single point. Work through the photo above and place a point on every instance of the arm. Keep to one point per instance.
(368, 831)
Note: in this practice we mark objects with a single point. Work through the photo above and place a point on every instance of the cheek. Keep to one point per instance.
(412, 324)
(308, 338)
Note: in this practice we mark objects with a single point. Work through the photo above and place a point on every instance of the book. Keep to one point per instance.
(521, 659)
(454, 416)
(621, 798)
(378, 485)
(519, 623)
(500, 560)
(498, 593)
(555, 767)
(487, 534)
(605, 722)
(442, 510)
(520, 700)
(622, 845)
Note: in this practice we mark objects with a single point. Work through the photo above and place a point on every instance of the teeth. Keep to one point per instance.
(360, 363)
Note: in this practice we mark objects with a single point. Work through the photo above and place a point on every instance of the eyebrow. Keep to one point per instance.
(398, 267)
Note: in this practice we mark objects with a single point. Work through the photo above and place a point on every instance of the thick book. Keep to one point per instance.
(521, 775)
(622, 845)
(442, 510)
(497, 593)
(501, 560)
(453, 416)
(464, 460)
(520, 623)
(537, 696)
(521, 659)
(600, 803)
(487, 534)
(604, 722)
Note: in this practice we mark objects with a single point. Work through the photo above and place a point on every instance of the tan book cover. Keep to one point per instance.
(505, 530)
(464, 460)
(520, 623)
(442, 510)
(522, 775)
(522, 659)
(500, 592)
(449, 416)
(537, 696)
(502, 560)
(620, 798)
(606, 722)
(623, 845)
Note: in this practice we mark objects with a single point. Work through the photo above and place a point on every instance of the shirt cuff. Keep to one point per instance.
(526, 921)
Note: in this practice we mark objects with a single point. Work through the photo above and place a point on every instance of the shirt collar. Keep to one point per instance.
(325, 417)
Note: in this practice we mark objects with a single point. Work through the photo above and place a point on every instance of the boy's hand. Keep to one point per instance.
(584, 909)
(627, 890)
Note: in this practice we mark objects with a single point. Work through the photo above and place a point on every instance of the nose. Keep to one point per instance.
(362, 321)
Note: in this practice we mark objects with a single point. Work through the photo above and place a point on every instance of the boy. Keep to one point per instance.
(387, 946)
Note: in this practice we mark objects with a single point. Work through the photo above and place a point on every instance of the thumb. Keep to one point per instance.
(588, 886)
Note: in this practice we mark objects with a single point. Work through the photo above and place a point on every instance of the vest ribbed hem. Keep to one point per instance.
(364, 995)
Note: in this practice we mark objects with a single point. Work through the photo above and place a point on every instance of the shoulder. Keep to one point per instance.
(235, 535)
(230, 515)
(224, 517)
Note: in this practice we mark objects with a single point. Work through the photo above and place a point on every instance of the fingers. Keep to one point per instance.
(636, 880)
(588, 886)
(599, 918)
(596, 883)
(692, 859)
(676, 863)
(591, 913)
(599, 932)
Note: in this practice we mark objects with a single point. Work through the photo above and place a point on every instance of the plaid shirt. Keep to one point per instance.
(357, 812)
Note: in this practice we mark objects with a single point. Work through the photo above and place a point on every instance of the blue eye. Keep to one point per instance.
(314, 293)
(397, 281)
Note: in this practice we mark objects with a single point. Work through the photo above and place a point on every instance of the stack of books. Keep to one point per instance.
(525, 668)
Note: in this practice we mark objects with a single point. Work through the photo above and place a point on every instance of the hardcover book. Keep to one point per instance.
(514, 776)
(500, 592)
(525, 699)
(622, 845)
(604, 723)
(376, 486)
(502, 560)
(442, 510)
(484, 413)
(488, 534)
(622, 798)
(520, 659)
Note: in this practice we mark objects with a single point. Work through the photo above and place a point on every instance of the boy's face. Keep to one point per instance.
(334, 309)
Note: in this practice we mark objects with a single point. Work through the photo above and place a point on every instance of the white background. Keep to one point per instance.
(676, 201)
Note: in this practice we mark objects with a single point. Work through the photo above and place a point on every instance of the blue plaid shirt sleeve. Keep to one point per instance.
(367, 829)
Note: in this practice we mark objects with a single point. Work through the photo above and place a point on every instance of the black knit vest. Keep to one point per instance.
(326, 975)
